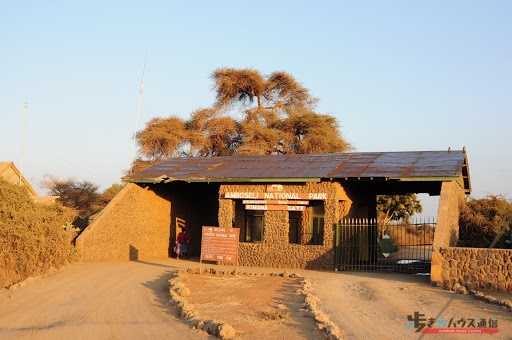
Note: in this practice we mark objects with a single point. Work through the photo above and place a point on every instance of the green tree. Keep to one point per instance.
(109, 193)
(482, 220)
(396, 207)
(106, 196)
(253, 114)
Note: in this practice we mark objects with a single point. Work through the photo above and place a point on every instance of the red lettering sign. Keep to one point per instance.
(320, 196)
(220, 244)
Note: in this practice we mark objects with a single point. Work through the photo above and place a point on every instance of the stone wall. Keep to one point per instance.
(134, 225)
(477, 268)
(275, 251)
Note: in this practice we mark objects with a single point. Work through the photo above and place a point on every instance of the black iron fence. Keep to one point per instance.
(363, 244)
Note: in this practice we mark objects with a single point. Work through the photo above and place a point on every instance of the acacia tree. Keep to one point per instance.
(396, 207)
(277, 117)
(80, 195)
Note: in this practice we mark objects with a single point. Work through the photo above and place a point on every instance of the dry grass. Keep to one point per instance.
(274, 315)
(410, 235)
(33, 237)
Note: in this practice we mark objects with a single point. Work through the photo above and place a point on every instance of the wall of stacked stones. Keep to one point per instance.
(275, 251)
(477, 268)
(134, 225)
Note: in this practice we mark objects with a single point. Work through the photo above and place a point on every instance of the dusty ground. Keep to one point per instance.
(268, 307)
(124, 300)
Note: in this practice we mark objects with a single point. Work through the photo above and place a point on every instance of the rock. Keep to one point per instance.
(462, 290)
(281, 307)
(311, 301)
(178, 285)
(226, 331)
(213, 328)
(178, 278)
(184, 292)
(333, 332)
(322, 318)
(491, 299)
(209, 327)
(190, 314)
(507, 303)
(195, 321)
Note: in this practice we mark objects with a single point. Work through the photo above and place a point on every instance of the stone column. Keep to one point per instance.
(447, 225)
(225, 213)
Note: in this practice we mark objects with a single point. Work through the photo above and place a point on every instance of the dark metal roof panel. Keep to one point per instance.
(399, 165)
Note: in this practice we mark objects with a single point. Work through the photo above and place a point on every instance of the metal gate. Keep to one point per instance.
(402, 247)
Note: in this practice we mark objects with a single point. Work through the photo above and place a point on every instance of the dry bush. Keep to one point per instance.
(482, 220)
(33, 237)
(411, 235)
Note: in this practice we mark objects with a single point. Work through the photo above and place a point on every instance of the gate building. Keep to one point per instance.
(289, 208)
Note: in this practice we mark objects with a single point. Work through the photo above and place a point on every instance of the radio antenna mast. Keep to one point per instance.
(138, 113)
(23, 140)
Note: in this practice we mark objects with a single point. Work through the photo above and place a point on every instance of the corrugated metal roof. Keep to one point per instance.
(410, 166)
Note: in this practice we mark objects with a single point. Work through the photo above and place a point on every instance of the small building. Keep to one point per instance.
(11, 174)
(286, 206)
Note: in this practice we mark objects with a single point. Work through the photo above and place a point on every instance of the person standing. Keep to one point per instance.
(181, 243)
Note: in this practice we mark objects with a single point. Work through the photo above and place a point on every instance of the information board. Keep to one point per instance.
(220, 244)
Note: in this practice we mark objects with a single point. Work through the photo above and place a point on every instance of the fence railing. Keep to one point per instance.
(364, 244)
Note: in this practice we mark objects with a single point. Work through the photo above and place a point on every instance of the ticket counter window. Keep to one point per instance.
(317, 224)
(254, 226)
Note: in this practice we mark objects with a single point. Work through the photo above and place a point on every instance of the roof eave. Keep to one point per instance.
(142, 180)
(221, 180)
(243, 180)
(462, 180)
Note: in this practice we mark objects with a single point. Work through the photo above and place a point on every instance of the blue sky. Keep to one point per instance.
(398, 75)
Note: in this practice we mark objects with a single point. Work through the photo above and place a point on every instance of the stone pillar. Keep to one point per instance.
(447, 225)
(225, 213)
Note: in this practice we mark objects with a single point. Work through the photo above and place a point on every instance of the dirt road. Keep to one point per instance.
(376, 306)
(123, 300)
(127, 300)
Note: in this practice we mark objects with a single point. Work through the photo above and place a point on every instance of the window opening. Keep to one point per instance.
(317, 224)
(294, 219)
(254, 226)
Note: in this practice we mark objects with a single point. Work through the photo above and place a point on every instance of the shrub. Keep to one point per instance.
(481, 220)
(33, 237)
